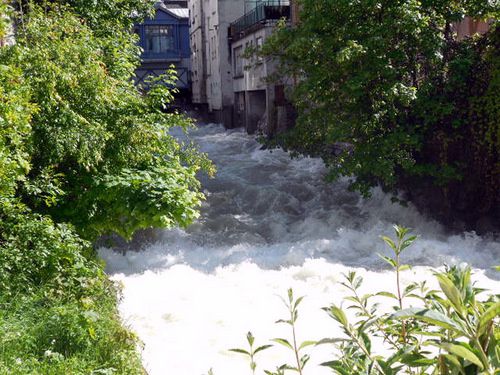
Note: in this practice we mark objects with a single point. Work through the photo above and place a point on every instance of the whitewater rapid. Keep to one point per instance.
(269, 223)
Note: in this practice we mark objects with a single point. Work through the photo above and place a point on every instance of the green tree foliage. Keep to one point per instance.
(379, 84)
(15, 116)
(82, 152)
(100, 152)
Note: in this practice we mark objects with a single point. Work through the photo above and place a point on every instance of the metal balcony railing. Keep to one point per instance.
(263, 11)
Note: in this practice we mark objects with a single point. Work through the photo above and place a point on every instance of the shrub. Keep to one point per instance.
(449, 331)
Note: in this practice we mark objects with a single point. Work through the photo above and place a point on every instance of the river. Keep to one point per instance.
(269, 223)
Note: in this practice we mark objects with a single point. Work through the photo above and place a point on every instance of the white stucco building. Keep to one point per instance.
(259, 104)
(211, 73)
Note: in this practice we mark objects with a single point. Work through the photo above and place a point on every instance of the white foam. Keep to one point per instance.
(269, 223)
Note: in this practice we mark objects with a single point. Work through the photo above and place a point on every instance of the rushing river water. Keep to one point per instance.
(269, 223)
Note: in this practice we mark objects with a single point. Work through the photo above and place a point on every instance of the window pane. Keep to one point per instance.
(238, 61)
(159, 38)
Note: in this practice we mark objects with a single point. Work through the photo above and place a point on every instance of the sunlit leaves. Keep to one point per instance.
(446, 331)
(102, 148)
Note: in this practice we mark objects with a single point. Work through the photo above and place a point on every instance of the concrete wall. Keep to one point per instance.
(198, 51)
(229, 10)
(255, 70)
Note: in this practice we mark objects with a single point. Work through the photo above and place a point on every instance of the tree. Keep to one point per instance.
(100, 152)
(364, 72)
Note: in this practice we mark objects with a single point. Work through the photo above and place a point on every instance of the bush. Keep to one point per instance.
(57, 307)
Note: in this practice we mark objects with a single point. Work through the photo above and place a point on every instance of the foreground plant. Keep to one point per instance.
(447, 331)
(300, 359)
(251, 352)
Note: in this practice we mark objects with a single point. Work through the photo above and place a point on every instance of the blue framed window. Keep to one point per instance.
(159, 38)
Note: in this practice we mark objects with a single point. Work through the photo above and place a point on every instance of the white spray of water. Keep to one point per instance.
(269, 223)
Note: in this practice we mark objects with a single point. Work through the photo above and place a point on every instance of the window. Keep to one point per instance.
(259, 42)
(159, 38)
(212, 40)
(238, 61)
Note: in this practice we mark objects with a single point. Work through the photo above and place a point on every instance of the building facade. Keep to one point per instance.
(259, 104)
(212, 85)
(165, 43)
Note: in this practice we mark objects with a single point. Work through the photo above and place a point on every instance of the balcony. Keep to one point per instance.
(270, 10)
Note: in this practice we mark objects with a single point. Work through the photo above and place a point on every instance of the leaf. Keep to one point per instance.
(451, 292)
(429, 316)
(492, 312)
(389, 242)
(283, 342)
(337, 314)
(284, 321)
(357, 281)
(408, 242)
(337, 366)
(304, 359)
(261, 348)
(331, 341)
(307, 343)
(368, 323)
(404, 267)
(366, 341)
(416, 360)
(299, 300)
(389, 260)
(385, 366)
(241, 351)
(387, 294)
(462, 352)
(400, 231)
(250, 338)
(454, 361)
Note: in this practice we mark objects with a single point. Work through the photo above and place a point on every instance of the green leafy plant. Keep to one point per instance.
(83, 152)
(100, 153)
(251, 352)
(300, 359)
(446, 331)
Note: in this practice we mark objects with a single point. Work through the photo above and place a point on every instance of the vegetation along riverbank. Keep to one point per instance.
(389, 93)
(82, 153)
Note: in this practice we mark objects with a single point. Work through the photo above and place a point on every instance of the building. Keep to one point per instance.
(212, 81)
(165, 42)
(469, 27)
(259, 105)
